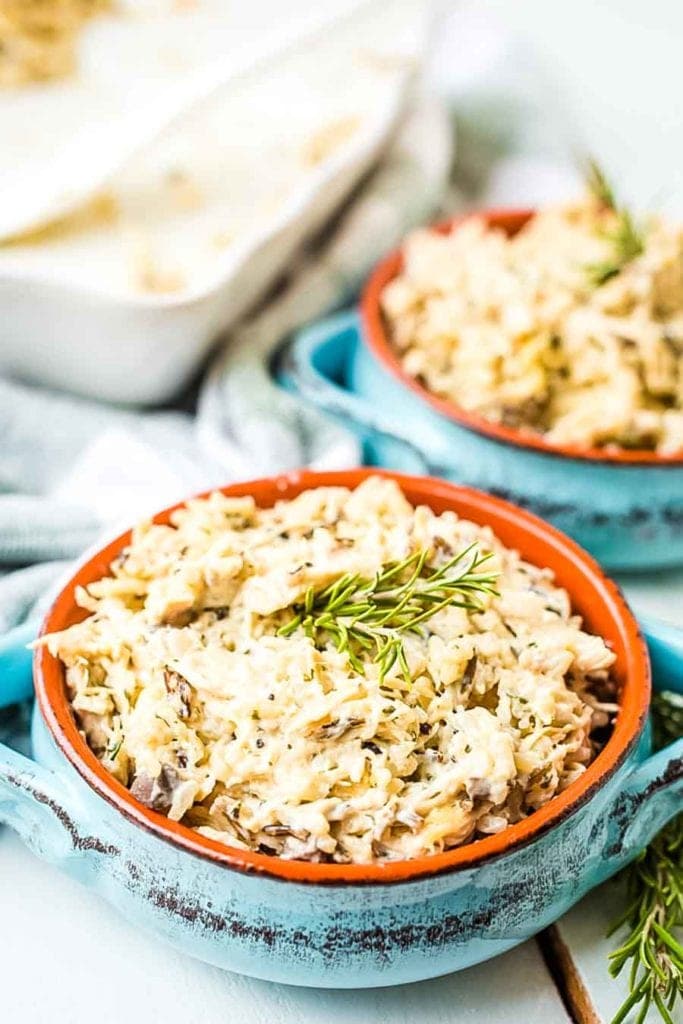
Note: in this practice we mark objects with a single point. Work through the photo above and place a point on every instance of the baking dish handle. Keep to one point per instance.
(37, 803)
(653, 793)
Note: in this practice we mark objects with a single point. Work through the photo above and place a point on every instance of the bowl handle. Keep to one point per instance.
(653, 793)
(35, 804)
(312, 366)
(39, 804)
(16, 659)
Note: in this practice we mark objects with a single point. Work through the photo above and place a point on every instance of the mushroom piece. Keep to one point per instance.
(180, 691)
(336, 728)
(157, 794)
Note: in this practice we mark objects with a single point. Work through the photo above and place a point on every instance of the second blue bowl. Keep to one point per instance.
(630, 516)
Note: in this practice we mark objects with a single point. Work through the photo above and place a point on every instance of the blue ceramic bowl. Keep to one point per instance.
(625, 507)
(351, 925)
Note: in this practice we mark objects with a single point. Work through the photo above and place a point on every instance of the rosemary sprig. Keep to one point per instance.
(654, 913)
(626, 239)
(598, 185)
(374, 615)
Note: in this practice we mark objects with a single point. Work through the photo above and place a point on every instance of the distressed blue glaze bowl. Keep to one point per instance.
(625, 507)
(351, 925)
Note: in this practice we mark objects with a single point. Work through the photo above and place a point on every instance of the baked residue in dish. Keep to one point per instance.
(38, 38)
(201, 684)
(572, 328)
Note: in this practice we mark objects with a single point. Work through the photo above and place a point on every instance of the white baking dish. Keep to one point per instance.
(71, 316)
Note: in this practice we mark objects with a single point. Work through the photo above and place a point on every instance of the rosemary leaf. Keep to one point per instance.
(598, 185)
(111, 752)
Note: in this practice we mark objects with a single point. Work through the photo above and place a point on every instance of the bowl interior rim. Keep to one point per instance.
(376, 337)
(593, 593)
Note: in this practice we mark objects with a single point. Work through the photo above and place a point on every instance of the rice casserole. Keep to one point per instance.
(571, 329)
(194, 692)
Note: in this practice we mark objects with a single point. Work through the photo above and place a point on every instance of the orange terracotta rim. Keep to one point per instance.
(594, 596)
(377, 339)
